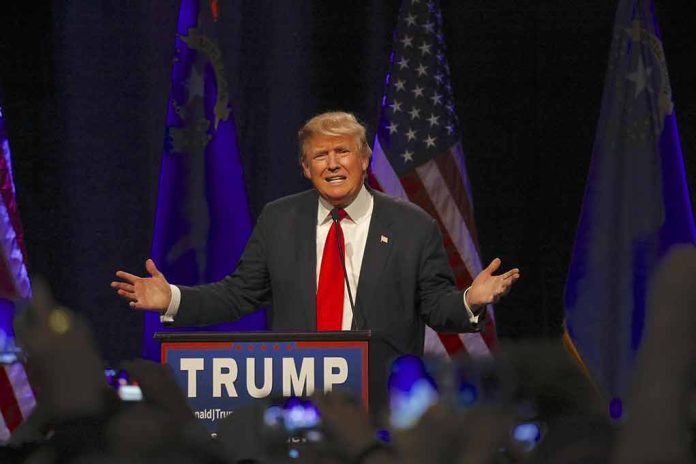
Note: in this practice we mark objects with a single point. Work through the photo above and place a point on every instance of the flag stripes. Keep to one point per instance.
(453, 173)
(16, 398)
(11, 412)
(383, 177)
(451, 219)
(14, 279)
(423, 187)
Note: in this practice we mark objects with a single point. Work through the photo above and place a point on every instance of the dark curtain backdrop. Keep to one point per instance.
(85, 89)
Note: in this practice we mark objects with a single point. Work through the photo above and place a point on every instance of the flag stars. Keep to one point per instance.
(640, 77)
(420, 107)
(425, 49)
(433, 120)
(195, 85)
(436, 98)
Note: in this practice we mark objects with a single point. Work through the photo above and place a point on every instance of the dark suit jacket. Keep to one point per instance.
(405, 280)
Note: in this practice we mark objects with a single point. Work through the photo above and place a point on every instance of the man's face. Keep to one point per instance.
(336, 167)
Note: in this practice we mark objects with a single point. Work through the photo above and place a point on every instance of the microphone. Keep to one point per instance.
(362, 324)
(337, 219)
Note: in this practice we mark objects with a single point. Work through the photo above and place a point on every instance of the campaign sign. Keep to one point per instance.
(219, 376)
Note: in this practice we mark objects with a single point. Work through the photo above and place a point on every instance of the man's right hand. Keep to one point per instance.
(148, 293)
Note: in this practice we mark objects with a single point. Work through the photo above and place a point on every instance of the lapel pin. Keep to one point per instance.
(383, 239)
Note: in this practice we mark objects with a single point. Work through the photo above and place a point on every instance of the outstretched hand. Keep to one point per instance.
(488, 288)
(148, 293)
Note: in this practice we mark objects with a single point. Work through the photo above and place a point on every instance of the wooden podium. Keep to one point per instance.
(219, 372)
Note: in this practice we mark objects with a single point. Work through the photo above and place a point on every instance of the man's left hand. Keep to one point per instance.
(488, 288)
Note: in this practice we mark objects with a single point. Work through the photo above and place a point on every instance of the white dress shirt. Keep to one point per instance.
(355, 227)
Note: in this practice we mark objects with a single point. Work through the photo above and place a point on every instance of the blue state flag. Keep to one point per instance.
(202, 222)
(636, 203)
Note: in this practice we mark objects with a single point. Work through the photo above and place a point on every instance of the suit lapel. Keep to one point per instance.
(377, 250)
(306, 258)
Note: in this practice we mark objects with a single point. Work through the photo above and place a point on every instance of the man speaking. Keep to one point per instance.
(338, 257)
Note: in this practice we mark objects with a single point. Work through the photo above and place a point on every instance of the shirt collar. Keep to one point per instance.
(357, 210)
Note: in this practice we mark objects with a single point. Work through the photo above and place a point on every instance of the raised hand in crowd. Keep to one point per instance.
(660, 423)
(63, 359)
(161, 426)
(349, 435)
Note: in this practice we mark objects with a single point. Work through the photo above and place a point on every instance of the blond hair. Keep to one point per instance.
(334, 123)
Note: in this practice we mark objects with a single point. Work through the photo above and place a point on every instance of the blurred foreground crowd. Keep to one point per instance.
(531, 404)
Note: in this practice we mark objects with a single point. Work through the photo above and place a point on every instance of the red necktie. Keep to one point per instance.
(331, 289)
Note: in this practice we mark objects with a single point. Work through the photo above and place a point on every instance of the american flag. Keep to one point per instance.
(418, 155)
(16, 395)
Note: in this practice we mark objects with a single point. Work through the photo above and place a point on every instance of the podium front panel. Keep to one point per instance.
(218, 377)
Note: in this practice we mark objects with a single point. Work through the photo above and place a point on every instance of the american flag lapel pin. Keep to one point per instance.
(383, 239)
